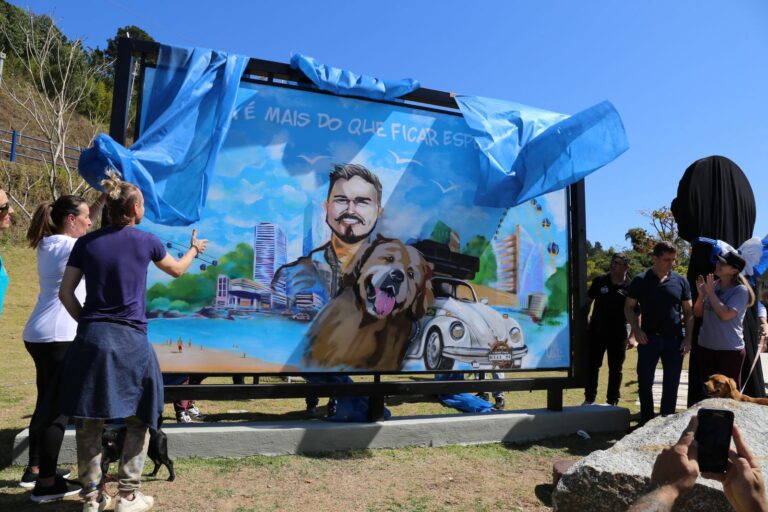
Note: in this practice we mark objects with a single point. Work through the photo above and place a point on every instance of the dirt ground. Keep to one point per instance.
(478, 478)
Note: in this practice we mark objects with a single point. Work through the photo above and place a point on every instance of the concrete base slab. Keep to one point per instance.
(314, 436)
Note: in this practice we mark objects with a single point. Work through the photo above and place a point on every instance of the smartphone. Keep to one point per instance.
(713, 436)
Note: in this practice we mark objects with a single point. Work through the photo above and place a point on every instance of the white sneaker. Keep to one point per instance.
(139, 503)
(183, 417)
(194, 411)
(97, 506)
(587, 402)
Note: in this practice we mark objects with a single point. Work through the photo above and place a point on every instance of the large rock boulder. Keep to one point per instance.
(611, 480)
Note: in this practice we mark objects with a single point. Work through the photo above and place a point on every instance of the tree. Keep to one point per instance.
(664, 228)
(663, 223)
(61, 81)
(109, 54)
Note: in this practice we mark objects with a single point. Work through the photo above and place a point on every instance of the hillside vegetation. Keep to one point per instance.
(56, 89)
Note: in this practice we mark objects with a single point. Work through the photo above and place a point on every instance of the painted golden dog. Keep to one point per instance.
(386, 288)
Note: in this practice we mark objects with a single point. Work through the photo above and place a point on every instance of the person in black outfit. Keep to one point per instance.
(608, 329)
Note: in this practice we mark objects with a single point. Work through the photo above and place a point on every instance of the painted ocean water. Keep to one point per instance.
(280, 340)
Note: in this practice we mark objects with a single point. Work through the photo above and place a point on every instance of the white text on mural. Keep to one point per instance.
(395, 131)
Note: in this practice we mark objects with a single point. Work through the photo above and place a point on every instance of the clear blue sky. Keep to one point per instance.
(689, 77)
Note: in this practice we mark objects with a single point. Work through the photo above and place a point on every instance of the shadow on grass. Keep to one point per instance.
(411, 399)
(343, 455)
(254, 416)
(20, 502)
(571, 444)
(7, 435)
(544, 493)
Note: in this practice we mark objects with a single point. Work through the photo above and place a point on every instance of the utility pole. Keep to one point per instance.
(2, 61)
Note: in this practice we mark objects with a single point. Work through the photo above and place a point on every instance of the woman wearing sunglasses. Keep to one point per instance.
(6, 211)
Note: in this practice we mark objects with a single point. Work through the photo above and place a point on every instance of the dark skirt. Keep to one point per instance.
(111, 371)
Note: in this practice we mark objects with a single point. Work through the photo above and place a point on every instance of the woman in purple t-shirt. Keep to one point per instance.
(111, 370)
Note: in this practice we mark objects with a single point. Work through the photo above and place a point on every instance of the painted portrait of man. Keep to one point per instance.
(352, 209)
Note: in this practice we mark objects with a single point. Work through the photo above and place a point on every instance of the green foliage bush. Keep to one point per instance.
(193, 291)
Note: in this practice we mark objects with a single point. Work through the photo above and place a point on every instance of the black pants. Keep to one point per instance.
(599, 344)
(45, 443)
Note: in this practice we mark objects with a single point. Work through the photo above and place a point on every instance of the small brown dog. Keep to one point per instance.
(720, 386)
(387, 287)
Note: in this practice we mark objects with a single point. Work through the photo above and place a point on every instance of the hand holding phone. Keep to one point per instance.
(743, 483)
(713, 436)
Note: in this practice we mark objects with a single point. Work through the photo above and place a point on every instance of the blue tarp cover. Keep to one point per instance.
(341, 81)
(526, 152)
(464, 402)
(188, 115)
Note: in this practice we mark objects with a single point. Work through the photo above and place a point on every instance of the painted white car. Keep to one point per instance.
(458, 327)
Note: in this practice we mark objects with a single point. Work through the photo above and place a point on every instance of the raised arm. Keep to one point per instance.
(674, 474)
(722, 311)
(698, 306)
(96, 207)
(175, 268)
(72, 277)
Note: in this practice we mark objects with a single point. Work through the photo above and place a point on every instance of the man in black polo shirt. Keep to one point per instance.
(608, 329)
(664, 297)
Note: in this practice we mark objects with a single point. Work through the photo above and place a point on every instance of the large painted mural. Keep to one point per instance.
(344, 237)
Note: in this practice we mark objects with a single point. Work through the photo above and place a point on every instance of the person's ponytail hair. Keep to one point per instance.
(49, 218)
(121, 197)
(41, 224)
(742, 280)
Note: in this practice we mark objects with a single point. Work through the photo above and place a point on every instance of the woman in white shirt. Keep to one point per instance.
(50, 329)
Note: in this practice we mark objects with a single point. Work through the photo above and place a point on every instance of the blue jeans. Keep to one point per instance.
(668, 350)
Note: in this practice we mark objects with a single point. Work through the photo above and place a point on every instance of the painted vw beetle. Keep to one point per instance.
(458, 327)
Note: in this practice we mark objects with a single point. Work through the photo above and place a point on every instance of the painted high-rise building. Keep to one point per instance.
(520, 265)
(316, 230)
(269, 253)
(507, 252)
(222, 291)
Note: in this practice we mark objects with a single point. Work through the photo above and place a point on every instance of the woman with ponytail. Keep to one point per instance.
(49, 332)
(722, 304)
(111, 370)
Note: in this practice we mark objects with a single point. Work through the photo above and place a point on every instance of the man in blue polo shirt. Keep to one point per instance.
(665, 298)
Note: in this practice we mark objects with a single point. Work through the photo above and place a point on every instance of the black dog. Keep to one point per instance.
(112, 447)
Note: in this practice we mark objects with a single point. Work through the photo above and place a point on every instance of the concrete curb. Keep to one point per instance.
(313, 436)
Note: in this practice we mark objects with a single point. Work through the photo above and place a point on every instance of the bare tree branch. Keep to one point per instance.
(62, 79)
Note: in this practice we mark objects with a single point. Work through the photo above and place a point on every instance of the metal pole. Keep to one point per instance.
(121, 96)
(2, 61)
(14, 140)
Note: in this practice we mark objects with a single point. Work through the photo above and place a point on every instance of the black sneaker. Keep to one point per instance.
(500, 403)
(28, 479)
(485, 396)
(60, 489)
